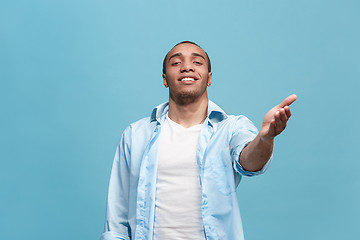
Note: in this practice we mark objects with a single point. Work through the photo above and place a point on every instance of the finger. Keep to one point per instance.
(284, 118)
(287, 111)
(283, 115)
(287, 101)
(278, 123)
(272, 128)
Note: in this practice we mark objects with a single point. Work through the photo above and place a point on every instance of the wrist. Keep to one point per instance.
(265, 138)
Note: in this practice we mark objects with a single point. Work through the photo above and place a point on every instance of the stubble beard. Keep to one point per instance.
(187, 97)
(184, 98)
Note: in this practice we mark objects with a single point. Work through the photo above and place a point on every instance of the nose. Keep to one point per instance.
(186, 67)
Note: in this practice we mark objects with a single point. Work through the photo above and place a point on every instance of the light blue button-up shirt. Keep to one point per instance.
(132, 187)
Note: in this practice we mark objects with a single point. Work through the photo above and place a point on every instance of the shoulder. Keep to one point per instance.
(239, 119)
(230, 122)
(242, 123)
(145, 126)
(239, 123)
(142, 125)
(217, 114)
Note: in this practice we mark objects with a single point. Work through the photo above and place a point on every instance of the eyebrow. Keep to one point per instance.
(180, 54)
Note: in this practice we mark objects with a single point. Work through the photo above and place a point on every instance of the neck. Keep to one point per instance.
(189, 114)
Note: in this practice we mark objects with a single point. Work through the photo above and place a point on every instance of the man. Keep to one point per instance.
(175, 173)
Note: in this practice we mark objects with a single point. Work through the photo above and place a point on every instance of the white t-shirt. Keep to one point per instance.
(178, 192)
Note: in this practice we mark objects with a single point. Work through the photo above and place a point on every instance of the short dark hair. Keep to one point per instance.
(165, 58)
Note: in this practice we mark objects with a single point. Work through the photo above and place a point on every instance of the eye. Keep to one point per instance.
(175, 63)
(198, 63)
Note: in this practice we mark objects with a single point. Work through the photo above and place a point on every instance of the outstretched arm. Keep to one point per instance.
(255, 155)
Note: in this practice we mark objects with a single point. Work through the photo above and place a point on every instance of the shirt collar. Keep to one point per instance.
(214, 113)
(159, 111)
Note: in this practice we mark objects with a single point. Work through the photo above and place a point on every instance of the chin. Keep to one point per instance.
(185, 98)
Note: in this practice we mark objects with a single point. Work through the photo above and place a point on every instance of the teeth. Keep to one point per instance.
(188, 79)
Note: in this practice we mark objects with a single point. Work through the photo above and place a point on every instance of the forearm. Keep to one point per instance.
(256, 154)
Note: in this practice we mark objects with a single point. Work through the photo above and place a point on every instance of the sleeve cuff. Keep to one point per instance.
(238, 168)
(111, 235)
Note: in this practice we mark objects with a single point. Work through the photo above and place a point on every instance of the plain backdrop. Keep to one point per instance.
(75, 73)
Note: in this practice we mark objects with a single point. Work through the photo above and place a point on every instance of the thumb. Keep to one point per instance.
(287, 101)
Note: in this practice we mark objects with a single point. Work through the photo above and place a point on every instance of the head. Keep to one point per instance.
(187, 72)
(167, 55)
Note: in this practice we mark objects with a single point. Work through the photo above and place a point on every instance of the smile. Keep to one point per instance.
(187, 79)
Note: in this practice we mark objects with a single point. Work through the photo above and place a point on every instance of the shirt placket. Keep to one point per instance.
(146, 189)
(205, 135)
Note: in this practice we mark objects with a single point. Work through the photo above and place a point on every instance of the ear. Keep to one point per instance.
(164, 79)
(209, 79)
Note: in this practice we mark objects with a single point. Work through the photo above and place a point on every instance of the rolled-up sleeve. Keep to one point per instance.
(243, 133)
(116, 223)
(113, 235)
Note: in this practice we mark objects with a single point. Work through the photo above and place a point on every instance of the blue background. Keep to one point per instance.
(74, 74)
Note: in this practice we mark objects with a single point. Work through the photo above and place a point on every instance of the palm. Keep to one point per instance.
(275, 120)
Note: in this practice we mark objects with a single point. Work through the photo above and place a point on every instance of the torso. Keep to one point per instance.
(178, 191)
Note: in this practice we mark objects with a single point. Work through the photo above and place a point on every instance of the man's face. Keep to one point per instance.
(187, 74)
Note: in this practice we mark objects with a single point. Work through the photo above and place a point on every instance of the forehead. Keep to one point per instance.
(186, 49)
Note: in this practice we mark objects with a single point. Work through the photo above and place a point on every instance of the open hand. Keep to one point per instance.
(275, 120)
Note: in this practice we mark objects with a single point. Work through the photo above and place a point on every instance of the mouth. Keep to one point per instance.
(187, 79)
